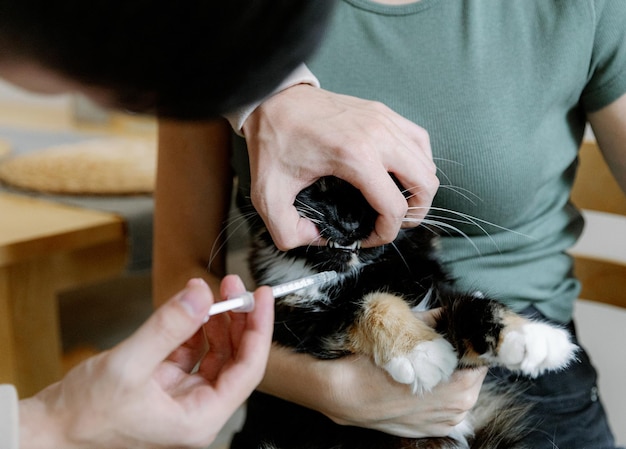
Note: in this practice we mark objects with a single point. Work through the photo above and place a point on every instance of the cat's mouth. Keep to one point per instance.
(353, 248)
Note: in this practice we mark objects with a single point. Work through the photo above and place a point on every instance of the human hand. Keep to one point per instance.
(136, 396)
(304, 133)
(353, 390)
(361, 394)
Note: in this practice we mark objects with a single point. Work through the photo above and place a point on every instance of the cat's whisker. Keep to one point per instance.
(239, 220)
(410, 192)
(442, 226)
(401, 256)
(463, 193)
(473, 220)
(451, 161)
(440, 170)
(433, 225)
(404, 261)
(449, 220)
(315, 241)
(443, 175)
(314, 220)
(467, 220)
(309, 207)
(433, 228)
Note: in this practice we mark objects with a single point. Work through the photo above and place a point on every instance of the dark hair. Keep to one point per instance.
(187, 59)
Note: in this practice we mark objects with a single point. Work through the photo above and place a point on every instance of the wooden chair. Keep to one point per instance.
(600, 264)
(600, 259)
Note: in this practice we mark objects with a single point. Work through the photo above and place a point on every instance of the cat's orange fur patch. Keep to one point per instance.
(470, 357)
(387, 328)
(511, 321)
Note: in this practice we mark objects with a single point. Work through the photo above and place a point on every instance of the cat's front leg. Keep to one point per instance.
(408, 349)
(533, 347)
(486, 332)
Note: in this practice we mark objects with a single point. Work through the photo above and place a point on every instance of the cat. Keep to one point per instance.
(369, 310)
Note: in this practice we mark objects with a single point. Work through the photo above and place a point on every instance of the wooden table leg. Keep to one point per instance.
(29, 331)
(30, 343)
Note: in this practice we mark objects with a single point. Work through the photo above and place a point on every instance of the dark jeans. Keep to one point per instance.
(567, 411)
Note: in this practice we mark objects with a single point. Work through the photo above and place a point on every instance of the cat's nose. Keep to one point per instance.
(351, 227)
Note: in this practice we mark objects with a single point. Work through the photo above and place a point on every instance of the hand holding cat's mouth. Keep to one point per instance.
(354, 247)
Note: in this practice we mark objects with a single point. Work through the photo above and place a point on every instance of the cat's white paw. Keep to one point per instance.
(535, 347)
(428, 364)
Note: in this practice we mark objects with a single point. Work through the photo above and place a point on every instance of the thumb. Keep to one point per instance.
(170, 326)
(274, 202)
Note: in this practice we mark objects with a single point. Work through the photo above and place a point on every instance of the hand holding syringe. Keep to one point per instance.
(245, 301)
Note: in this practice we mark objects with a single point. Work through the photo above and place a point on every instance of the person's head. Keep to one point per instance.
(187, 59)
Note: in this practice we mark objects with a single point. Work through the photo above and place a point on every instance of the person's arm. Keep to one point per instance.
(354, 391)
(135, 395)
(609, 127)
(192, 198)
(304, 133)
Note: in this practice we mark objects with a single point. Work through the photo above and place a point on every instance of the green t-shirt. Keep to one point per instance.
(502, 88)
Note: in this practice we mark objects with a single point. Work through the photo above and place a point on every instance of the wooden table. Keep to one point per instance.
(44, 248)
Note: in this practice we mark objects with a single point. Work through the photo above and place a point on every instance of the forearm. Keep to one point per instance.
(350, 390)
(354, 391)
(305, 385)
(609, 126)
(192, 198)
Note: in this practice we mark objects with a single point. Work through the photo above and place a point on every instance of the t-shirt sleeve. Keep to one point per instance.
(607, 70)
(9, 428)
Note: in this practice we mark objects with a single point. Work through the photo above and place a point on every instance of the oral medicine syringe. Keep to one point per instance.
(245, 301)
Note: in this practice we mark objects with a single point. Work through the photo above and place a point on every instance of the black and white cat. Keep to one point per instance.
(370, 309)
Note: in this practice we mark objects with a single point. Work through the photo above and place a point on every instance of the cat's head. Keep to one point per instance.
(342, 215)
(344, 219)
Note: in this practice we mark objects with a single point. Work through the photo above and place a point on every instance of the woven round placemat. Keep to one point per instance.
(5, 148)
(111, 166)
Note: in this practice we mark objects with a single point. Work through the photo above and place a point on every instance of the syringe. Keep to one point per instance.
(245, 301)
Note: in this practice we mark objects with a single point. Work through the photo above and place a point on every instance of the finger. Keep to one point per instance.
(232, 286)
(248, 367)
(220, 346)
(413, 166)
(219, 333)
(411, 161)
(220, 330)
(478, 374)
(189, 353)
(465, 387)
(169, 327)
(383, 195)
(416, 136)
(274, 201)
(420, 183)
